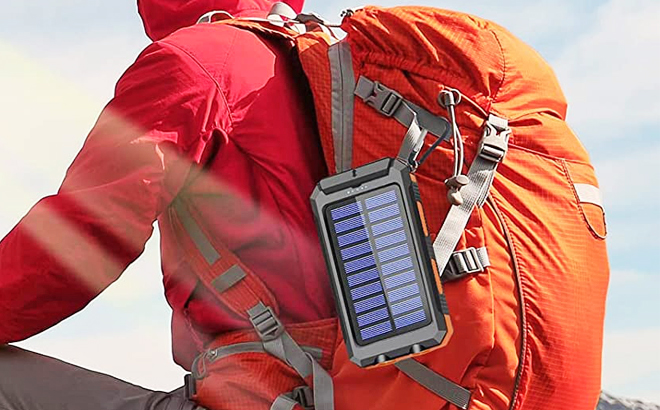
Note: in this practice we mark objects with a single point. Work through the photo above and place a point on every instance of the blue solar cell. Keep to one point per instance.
(379, 200)
(346, 210)
(403, 293)
(348, 224)
(376, 330)
(363, 277)
(388, 240)
(400, 279)
(353, 237)
(373, 317)
(410, 319)
(366, 290)
(384, 213)
(387, 226)
(406, 306)
(359, 264)
(394, 253)
(370, 303)
(396, 266)
(355, 251)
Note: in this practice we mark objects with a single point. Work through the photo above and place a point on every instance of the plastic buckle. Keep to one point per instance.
(304, 396)
(383, 99)
(189, 387)
(463, 263)
(264, 321)
(495, 141)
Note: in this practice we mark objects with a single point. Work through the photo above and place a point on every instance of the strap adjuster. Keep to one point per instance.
(264, 321)
(384, 99)
(495, 141)
(304, 396)
(465, 262)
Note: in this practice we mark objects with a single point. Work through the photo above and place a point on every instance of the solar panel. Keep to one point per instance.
(378, 269)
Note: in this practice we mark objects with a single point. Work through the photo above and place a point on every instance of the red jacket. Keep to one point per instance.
(208, 96)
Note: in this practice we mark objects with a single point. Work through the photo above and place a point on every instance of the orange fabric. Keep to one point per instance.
(252, 381)
(528, 330)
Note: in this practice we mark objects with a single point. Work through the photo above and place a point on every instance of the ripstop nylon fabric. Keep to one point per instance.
(528, 330)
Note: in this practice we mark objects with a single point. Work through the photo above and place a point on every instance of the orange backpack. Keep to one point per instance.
(525, 279)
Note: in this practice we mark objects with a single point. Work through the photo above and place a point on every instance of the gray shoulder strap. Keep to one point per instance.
(279, 343)
(452, 392)
(343, 83)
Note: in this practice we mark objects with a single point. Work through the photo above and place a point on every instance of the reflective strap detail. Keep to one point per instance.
(228, 279)
(391, 104)
(343, 83)
(448, 390)
(280, 344)
(202, 243)
(589, 194)
(466, 262)
(492, 149)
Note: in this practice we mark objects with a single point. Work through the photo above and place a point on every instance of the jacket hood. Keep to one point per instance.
(163, 17)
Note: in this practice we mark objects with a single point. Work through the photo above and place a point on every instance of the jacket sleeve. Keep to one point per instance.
(72, 245)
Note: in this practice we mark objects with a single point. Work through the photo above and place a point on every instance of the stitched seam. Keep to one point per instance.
(499, 88)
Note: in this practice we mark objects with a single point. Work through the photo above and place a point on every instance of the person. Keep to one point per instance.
(207, 109)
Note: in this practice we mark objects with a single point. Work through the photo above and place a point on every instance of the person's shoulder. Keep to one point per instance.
(218, 44)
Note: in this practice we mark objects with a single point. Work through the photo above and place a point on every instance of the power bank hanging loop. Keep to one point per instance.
(412, 144)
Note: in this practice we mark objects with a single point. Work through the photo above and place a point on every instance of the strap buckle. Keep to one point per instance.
(495, 141)
(463, 263)
(384, 99)
(304, 396)
(264, 321)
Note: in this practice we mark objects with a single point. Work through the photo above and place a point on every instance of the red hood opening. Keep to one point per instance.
(163, 17)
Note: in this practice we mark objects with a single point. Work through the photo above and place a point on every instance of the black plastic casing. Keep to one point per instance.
(370, 177)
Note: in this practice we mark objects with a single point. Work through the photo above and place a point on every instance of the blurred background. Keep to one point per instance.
(59, 62)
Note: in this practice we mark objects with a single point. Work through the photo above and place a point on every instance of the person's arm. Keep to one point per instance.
(72, 245)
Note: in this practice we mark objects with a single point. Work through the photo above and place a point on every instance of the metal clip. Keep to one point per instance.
(385, 100)
(267, 325)
(495, 141)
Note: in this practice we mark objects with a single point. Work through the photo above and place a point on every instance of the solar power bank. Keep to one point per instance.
(381, 263)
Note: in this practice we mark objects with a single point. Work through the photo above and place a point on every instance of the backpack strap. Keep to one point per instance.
(448, 390)
(218, 268)
(240, 290)
(491, 151)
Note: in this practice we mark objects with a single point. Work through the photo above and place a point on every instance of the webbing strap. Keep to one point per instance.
(448, 390)
(391, 104)
(466, 262)
(283, 402)
(302, 396)
(493, 147)
(218, 268)
(280, 344)
(343, 83)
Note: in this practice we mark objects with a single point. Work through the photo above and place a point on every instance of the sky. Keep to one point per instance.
(59, 62)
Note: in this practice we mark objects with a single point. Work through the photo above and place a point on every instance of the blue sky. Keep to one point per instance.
(59, 64)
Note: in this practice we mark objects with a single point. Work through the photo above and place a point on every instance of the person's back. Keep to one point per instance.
(211, 115)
